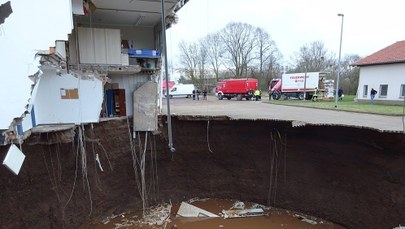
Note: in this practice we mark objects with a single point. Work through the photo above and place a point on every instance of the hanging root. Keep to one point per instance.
(146, 186)
(134, 158)
(81, 151)
(106, 155)
(76, 172)
(278, 147)
(208, 139)
(82, 139)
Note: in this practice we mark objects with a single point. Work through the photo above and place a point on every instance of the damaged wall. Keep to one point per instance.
(350, 176)
(145, 111)
(67, 99)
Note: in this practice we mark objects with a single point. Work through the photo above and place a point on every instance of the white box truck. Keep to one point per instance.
(181, 90)
(295, 84)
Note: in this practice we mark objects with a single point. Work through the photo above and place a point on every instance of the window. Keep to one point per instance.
(402, 91)
(365, 90)
(383, 90)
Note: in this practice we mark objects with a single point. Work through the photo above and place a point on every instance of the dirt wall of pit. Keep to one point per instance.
(351, 176)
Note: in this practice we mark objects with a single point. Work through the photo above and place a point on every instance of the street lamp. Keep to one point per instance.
(338, 70)
(305, 83)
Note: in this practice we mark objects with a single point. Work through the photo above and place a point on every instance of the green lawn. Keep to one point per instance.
(347, 104)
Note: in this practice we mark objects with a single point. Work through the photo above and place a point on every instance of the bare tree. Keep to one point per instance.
(264, 47)
(313, 57)
(189, 60)
(214, 48)
(242, 49)
(239, 42)
(202, 58)
(268, 57)
(193, 60)
(349, 80)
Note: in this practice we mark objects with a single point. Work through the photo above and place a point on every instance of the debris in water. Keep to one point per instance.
(309, 221)
(238, 205)
(188, 210)
(238, 210)
(260, 206)
(192, 200)
(305, 219)
(242, 213)
(158, 216)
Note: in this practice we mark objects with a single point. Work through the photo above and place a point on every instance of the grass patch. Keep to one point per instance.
(347, 104)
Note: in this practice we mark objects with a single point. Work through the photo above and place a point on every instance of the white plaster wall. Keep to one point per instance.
(130, 83)
(50, 108)
(374, 76)
(142, 37)
(99, 45)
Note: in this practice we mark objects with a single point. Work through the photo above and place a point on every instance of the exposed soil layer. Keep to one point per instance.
(350, 176)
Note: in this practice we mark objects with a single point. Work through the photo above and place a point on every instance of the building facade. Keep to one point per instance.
(383, 71)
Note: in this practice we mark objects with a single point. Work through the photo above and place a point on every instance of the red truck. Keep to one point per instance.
(239, 88)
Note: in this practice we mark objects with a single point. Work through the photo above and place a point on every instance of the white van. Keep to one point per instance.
(181, 90)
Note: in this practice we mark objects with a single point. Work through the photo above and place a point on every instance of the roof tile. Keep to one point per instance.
(394, 53)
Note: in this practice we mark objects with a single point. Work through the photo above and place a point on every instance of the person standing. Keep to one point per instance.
(340, 93)
(257, 94)
(194, 94)
(372, 95)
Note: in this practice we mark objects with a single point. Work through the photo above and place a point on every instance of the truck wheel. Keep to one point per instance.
(229, 98)
(315, 98)
(220, 96)
(276, 96)
(248, 98)
(301, 96)
(239, 97)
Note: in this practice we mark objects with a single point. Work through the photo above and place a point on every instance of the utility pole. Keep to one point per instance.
(305, 83)
(338, 72)
(169, 118)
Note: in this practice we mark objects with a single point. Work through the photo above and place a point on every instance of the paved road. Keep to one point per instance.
(260, 110)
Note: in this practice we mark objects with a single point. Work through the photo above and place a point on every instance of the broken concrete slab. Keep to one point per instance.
(188, 210)
(239, 213)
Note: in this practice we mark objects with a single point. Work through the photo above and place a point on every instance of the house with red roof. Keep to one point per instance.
(384, 71)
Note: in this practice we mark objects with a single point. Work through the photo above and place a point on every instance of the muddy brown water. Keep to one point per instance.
(273, 218)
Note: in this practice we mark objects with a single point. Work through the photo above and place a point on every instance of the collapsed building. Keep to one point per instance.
(109, 67)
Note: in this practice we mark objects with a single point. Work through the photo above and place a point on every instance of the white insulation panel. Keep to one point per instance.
(14, 159)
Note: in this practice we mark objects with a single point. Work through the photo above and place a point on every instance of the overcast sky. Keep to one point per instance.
(368, 27)
(33, 25)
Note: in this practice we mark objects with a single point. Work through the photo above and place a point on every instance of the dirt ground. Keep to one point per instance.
(348, 175)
